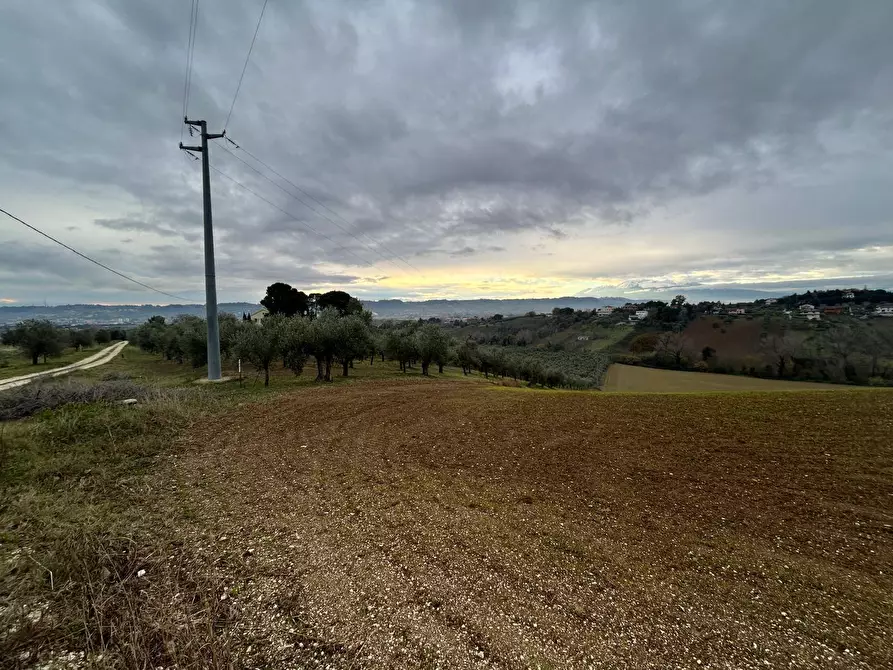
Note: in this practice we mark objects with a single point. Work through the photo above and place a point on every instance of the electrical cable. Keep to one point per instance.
(318, 202)
(190, 51)
(95, 262)
(245, 66)
(318, 213)
(291, 216)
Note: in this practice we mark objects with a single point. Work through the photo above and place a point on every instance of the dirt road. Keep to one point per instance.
(97, 359)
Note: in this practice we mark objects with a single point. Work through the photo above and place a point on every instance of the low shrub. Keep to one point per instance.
(30, 399)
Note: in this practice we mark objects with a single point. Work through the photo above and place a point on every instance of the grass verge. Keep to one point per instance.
(91, 568)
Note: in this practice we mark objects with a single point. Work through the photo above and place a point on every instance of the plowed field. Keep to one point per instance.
(436, 524)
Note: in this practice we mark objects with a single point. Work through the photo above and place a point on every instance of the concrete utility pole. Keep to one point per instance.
(214, 372)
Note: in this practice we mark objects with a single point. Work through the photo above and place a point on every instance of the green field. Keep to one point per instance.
(646, 380)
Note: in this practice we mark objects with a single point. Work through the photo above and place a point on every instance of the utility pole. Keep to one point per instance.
(214, 372)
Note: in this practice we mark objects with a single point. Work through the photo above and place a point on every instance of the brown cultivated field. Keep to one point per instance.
(648, 380)
(417, 524)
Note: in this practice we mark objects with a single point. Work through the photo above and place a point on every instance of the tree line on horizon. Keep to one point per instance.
(333, 329)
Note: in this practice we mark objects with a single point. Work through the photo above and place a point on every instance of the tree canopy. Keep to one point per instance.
(38, 338)
(286, 300)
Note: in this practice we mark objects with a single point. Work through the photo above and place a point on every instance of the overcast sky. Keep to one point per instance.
(469, 148)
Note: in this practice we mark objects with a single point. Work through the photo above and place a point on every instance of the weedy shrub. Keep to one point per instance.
(36, 397)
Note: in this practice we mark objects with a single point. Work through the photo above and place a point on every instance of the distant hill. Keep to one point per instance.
(420, 309)
(109, 315)
(74, 315)
(444, 309)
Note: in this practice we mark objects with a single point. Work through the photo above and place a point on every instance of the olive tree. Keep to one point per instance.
(190, 339)
(38, 338)
(294, 343)
(432, 345)
(260, 345)
(401, 346)
(81, 338)
(229, 326)
(351, 339)
(322, 340)
(152, 336)
(468, 357)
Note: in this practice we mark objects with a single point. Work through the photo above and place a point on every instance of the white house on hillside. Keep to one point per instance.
(771, 301)
(605, 311)
(848, 295)
(807, 308)
(813, 316)
(259, 315)
(736, 310)
(639, 315)
(884, 309)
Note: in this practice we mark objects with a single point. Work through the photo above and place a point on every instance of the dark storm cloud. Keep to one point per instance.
(432, 126)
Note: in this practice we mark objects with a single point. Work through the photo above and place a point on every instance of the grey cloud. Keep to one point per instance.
(433, 126)
(133, 225)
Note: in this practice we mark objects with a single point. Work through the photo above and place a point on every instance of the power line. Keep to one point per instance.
(245, 66)
(190, 58)
(95, 262)
(321, 204)
(318, 213)
(291, 216)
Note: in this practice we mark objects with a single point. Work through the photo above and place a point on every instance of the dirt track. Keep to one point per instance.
(95, 360)
(413, 524)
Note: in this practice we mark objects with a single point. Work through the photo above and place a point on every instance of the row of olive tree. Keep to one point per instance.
(332, 337)
(496, 362)
(38, 339)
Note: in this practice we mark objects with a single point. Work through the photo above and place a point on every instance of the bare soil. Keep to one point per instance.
(418, 524)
